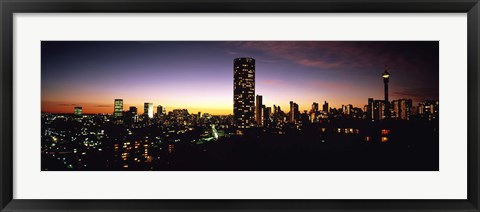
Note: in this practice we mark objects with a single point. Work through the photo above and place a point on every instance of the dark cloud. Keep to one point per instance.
(417, 94)
(358, 55)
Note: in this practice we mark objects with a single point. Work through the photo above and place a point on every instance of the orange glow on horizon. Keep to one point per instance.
(214, 108)
(90, 108)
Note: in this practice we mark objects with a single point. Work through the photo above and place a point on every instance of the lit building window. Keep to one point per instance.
(385, 132)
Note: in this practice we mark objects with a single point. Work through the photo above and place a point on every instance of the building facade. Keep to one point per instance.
(314, 108)
(159, 110)
(258, 110)
(131, 116)
(118, 108)
(402, 109)
(376, 109)
(347, 109)
(325, 107)
(77, 111)
(267, 114)
(148, 110)
(428, 109)
(244, 93)
(294, 112)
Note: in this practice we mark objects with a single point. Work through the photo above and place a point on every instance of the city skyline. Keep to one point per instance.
(373, 131)
(340, 73)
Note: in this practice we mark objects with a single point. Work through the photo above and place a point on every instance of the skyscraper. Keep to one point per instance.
(267, 112)
(313, 117)
(276, 109)
(428, 109)
(386, 79)
(370, 108)
(244, 93)
(159, 110)
(291, 114)
(376, 109)
(131, 115)
(258, 110)
(148, 109)
(77, 111)
(326, 108)
(294, 112)
(379, 109)
(402, 108)
(118, 108)
(347, 109)
(314, 107)
(133, 110)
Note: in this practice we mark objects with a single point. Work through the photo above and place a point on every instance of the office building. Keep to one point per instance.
(376, 109)
(244, 93)
(159, 110)
(294, 112)
(402, 109)
(314, 108)
(77, 111)
(148, 110)
(347, 109)
(133, 110)
(276, 109)
(428, 109)
(258, 110)
(369, 109)
(267, 113)
(131, 115)
(326, 108)
(118, 108)
(379, 110)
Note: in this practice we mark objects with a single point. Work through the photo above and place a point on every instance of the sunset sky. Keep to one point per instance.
(198, 75)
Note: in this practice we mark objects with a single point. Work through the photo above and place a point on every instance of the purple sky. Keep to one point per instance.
(198, 75)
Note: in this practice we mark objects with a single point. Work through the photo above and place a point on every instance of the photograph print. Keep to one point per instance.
(239, 106)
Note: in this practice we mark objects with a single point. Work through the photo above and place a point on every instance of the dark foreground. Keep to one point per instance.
(342, 145)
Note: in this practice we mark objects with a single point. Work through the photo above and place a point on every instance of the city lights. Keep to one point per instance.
(179, 125)
(381, 126)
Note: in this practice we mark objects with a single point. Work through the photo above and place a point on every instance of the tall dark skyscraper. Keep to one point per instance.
(325, 107)
(133, 110)
(294, 112)
(267, 112)
(118, 108)
(258, 110)
(314, 108)
(386, 79)
(159, 111)
(131, 115)
(244, 92)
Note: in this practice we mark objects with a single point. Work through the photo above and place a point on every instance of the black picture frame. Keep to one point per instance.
(9, 7)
